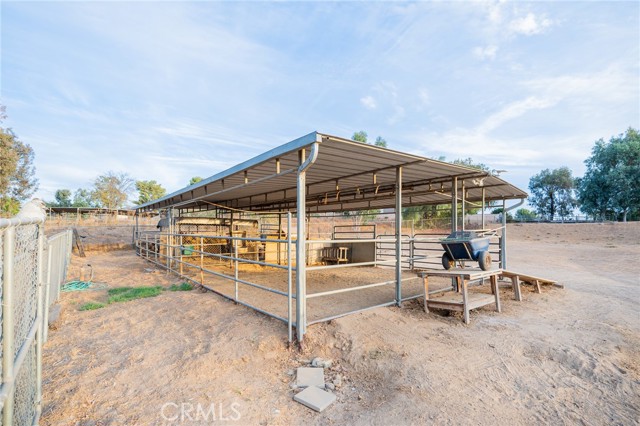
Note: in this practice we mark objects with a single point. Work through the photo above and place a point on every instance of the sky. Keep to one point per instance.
(170, 90)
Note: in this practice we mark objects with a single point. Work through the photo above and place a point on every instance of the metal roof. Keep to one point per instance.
(346, 175)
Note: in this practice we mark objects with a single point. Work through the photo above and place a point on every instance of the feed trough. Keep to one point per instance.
(466, 245)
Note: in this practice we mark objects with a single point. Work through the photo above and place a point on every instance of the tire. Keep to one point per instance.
(447, 262)
(484, 260)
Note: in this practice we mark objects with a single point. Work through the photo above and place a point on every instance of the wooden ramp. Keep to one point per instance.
(517, 277)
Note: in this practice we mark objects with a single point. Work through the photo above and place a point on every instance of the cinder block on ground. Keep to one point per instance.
(54, 315)
(309, 376)
(315, 398)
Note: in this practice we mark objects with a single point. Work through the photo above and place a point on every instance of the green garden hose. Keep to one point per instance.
(81, 285)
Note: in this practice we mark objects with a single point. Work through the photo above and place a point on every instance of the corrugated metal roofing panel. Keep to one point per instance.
(258, 184)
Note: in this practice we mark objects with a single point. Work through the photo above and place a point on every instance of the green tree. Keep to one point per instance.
(83, 198)
(17, 182)
(380, 141)
(499, 211)
(468, 162)
(194, 180)
(552, 193)
(525, 215)
(63, 198)
(112, 189)
(360, 136)
(363, 137)
(149, 190)
(611, 183)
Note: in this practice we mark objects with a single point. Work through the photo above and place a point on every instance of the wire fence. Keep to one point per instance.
(31, 271)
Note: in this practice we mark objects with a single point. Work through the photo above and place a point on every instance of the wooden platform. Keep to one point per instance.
(461, 300)
(454, 301)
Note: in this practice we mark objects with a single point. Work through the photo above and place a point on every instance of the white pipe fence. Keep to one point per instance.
(30, 278)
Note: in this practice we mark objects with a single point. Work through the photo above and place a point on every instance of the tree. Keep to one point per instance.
(611, 183)
(149, 190)
(17, 182)
(83, 198)
(552, 193)
(499, 211)
(112, 189)
(360, 136)
(194, 180)
(63, 198)
(380, 141)
(525, 215)
(468, 162)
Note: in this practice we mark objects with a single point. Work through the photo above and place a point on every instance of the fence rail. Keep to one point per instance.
(31, 271)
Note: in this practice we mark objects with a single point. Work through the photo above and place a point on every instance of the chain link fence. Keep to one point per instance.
(26, 285)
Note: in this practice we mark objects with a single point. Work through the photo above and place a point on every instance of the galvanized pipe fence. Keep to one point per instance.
(31, 271)
(217, 263)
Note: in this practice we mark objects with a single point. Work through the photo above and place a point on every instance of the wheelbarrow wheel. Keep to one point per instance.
(484, 260)
(447, 262)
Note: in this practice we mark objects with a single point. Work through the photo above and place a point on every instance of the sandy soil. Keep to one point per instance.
(561, 357)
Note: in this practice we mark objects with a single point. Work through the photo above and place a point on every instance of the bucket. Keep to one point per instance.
(187, 250)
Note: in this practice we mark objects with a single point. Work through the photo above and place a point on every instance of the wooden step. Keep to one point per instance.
(529, 278)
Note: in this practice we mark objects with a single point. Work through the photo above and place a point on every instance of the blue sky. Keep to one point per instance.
(171, 90)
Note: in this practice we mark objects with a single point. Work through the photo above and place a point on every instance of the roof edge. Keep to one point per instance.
(288, 147)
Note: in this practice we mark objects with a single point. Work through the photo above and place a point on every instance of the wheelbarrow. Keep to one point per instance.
(466, 245)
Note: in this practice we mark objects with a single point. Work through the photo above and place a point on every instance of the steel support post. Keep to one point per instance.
(168, 242)
(8, 331)
(47, 293)
(39, 340)
(289, 276)
(399, 236)
(301, 267)
(135, 230)
(503, 239)
(463, 206)
(483, 206)
(454, 204)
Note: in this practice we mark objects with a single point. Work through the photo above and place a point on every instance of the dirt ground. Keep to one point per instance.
(565, 356)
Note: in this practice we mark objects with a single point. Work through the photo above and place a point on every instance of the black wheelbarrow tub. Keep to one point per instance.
(465, 245)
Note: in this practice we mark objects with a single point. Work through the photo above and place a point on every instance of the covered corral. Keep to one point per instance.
(239, 233)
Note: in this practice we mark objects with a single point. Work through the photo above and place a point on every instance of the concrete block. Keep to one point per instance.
(315, 398)
(309, 376)
(54, 315)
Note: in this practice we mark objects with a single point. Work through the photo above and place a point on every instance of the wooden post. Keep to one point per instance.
(537, 284)
(515, 283)
(181, 248)
(496, 289)
(465, 302)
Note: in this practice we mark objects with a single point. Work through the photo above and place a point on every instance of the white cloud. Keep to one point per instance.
(616, 83)
(369, 102)
(514, 110)
(530, 24)
(488, 52)
(494, 12)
